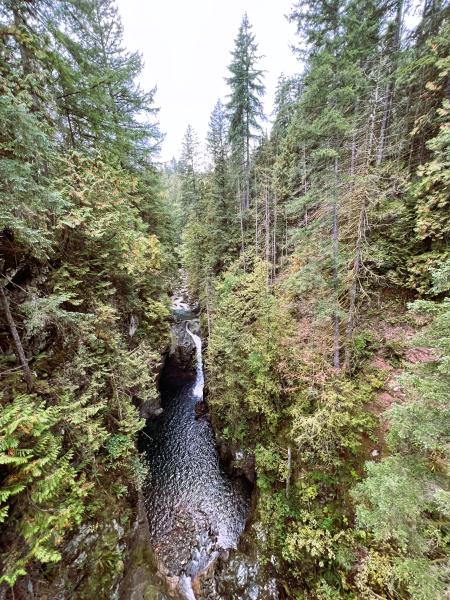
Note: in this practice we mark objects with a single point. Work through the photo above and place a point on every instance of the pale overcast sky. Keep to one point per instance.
(186, 46)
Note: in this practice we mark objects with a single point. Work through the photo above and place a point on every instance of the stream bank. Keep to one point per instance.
(196, 510)
(193, 539)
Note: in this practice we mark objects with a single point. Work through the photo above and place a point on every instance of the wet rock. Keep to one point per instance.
(182, 348)
(179, 363)
(238, 463)
(185, 587)
(238, 578)
(141, 580)
(195, 510)
(149, 408)
(201, 410)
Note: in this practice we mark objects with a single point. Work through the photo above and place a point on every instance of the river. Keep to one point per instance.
(195, 510)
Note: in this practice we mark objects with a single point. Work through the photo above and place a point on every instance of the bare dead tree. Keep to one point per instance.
(16, 338)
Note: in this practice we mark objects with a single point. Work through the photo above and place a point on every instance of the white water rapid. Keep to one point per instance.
(199, 378)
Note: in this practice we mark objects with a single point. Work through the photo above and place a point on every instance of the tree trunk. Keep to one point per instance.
(69, 121)
(267, 228)
(370, 141)
(247, 163)
(390, 88)
(336, 359)
(289, 471)
(384, 122)
(286, 230)
(208, 308)
(241, 222)
(274, 240)
(354, 144)
(256, 224)
(354, 287)
(304, 182)
(335, 239)
(17, 343)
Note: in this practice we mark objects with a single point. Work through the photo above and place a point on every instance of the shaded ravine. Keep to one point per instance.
(195, 510)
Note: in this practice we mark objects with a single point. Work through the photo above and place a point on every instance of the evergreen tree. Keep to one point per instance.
(340, 217)
(286, 97)
(244, 107)
(303, 249)
(86, 251)
(217, 138)
(222, 190)
(99, 96)
(404, 501)
(188, 169)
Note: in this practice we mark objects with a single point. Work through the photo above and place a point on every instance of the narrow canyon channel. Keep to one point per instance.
(196, 511)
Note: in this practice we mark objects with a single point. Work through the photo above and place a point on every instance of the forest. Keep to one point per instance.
(318, 250)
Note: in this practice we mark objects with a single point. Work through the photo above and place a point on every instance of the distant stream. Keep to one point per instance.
(195, 510)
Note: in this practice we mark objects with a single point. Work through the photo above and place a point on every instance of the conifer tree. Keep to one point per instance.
(222, 191)
(85, 251)
(217, 138)
(99, 95)
(286, 97)
(188, 169)
(244, 107)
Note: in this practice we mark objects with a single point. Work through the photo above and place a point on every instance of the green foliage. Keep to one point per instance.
(331, 431)
(29, 197)
(340, 217)
(112, 112)
(344, 207)
(432, 190)
(245, 105)
(265, 400)
(393, 483)
(431, 194)
(404, 500)
(86, 238)
(210, 237)
(245, 352)
(37, 467)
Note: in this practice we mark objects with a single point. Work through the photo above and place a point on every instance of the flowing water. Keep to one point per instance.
(199, 379)
(195, 510)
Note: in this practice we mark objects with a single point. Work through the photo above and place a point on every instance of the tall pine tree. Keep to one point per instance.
(188, 169)
(244, 107)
